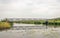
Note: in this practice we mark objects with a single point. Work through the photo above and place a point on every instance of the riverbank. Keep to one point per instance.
(4, 25)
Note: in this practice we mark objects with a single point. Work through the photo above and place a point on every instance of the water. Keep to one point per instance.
(34, 31)
(27, 26)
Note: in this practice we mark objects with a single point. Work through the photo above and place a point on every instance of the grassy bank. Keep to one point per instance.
(51, 22)
(4, 25)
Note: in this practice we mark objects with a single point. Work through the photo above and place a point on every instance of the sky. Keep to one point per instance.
(29, 8)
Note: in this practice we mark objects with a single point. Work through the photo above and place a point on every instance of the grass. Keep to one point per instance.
(4, 25)
(53, 22)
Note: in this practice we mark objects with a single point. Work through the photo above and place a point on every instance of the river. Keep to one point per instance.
(30, 31)
(17, 26)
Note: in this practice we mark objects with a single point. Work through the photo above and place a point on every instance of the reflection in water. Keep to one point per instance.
(28, 26)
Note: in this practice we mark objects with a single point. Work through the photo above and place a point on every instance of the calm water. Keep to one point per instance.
(28, 26)
(34, 31)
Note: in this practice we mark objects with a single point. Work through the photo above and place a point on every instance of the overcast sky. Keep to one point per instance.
(29, 8)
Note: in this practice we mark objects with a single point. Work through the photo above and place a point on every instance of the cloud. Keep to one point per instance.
(29, 8)
(54, 7)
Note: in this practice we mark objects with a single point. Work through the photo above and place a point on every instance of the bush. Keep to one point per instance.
(4, 25)
(37, 22)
